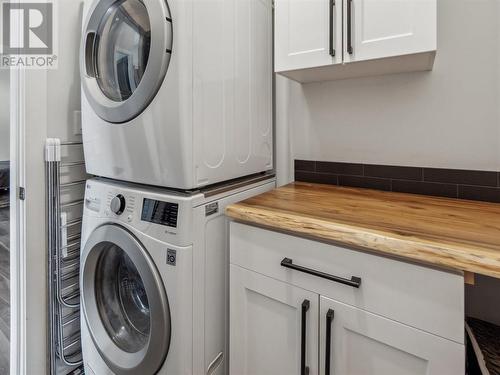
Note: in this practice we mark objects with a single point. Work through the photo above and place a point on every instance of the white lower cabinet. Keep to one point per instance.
(269, 321)
(361, 343)
(302, 307)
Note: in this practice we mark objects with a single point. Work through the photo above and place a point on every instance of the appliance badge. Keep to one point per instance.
(171, 257)
(211, 208)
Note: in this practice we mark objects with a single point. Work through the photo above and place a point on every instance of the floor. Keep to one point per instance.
(4, 286)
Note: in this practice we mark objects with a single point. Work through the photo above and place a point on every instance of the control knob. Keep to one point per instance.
(118, 204)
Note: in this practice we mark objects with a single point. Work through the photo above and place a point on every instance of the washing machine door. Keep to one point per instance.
(125, 54)
(124, 302)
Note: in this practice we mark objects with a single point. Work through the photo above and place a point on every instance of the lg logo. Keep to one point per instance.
(171, 257)
(28, 28)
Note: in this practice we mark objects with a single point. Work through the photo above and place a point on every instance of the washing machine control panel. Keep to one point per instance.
(157, 215)
(159, 212)
(118, 204)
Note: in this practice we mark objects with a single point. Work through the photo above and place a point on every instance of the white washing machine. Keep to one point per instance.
(154, 278)
(177, 93)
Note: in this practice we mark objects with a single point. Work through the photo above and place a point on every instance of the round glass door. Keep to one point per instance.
(124, 36)
(124, 302)
(127, 46)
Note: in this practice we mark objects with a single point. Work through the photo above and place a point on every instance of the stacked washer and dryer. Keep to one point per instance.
(177, 124)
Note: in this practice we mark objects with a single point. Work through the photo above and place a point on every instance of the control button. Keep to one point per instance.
(118, 204)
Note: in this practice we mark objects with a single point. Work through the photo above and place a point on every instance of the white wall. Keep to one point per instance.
(4, 114)
(448, 117)
(51, 99)
(32, 267)
(64, 83)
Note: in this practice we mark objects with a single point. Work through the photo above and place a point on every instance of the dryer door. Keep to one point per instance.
(125, 54)
(124, 302)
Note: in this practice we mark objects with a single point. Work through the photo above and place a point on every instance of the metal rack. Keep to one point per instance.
(64, 264)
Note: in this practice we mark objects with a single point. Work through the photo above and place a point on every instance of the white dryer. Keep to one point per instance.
(177, 93)
(154, 278)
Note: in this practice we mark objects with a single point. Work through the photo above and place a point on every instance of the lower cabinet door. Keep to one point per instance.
(273, 326)
(354, 341)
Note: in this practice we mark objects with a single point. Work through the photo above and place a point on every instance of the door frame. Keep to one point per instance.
(28, 257)
(17, 228)
(17, 221)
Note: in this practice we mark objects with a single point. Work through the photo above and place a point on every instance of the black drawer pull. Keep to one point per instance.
(355, 282)
(329, 319)
(304, 369)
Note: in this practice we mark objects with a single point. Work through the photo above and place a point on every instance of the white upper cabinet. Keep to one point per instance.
(308, 33)
(385, 28)
(370, 37)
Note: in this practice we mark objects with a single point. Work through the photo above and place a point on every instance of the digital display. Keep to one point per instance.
(158, 212)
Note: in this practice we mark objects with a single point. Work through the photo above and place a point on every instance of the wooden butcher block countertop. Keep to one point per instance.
(456, 234)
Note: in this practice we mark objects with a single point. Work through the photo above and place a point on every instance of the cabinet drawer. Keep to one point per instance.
(419, 296)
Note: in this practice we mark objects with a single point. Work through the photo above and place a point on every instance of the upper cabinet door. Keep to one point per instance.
(308, 33)
(362, 343)
(272, 325)
(383, 28)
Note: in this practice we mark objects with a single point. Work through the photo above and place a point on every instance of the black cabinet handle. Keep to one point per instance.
(329, 320)
(304, 370)
(355, 282)
(332, 50)
(349, 26)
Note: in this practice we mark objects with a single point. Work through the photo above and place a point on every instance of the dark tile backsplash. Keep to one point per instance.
(479, 193)
(461, 177)
(365, 182)
(305, 165)
(318, 178)
(339, 168)
(450, 183)
(393, 172)
(425, 188)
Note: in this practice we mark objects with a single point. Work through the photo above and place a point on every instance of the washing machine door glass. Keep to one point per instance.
(126, 51)
(124, 302)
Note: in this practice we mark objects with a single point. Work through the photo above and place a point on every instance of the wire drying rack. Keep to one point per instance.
(64, 259)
